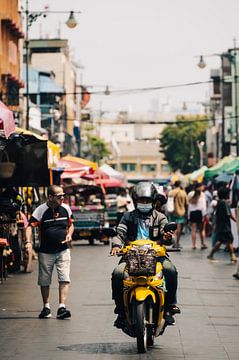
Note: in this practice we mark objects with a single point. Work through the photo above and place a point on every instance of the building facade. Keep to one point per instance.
(223, 131)
(10, 53)
(135, 146)
(53, 55)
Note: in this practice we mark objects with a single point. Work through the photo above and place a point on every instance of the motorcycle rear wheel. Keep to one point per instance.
(141, 331)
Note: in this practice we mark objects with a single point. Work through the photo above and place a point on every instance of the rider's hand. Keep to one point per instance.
(168, 235)
(115, 250)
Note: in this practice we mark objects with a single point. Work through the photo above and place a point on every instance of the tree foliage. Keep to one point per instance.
(178, 143)
(95, 148)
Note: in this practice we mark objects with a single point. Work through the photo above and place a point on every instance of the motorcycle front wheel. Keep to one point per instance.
(141, 331)
(150, 330)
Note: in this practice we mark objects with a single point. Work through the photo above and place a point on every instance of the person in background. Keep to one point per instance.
(223, 224)
(130, 204)
(122, 203)
(213, 215)
(236, 275)
(234, 197)
(55, 222)
(179, 214)
(197, 211)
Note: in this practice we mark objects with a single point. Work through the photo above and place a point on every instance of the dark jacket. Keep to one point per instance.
(128, 228)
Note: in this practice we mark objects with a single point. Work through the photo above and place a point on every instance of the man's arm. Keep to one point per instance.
(119, 239)
(69, 234)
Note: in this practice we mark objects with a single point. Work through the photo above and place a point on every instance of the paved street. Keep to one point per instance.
(208, 327)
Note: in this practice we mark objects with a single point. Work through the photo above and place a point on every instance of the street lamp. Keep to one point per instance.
(32, 16)
(200, 145)
(232, 57)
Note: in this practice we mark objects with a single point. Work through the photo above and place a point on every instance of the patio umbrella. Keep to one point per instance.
(6, 120)
(225, 177)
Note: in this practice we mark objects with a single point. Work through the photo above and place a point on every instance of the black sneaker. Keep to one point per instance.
(174, 309)
(45, 313)
(120, 322)
(169, 319)
(63, 313)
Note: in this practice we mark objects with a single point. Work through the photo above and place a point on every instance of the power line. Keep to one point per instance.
(166, 122)
(124, 91)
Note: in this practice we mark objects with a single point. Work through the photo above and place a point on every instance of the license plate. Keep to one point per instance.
(85, 233)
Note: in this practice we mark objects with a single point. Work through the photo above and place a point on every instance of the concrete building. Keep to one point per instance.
(223, 131)
(10, 46)
(135, 145)
(45, 102)
(53, 55)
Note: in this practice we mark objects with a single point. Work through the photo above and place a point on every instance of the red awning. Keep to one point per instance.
(75, 173)
(111, 182)
(73, 169)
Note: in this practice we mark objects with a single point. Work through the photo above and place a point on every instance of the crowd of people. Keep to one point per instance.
(206, 211)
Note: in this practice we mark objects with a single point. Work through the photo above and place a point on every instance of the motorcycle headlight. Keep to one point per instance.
(159, 275)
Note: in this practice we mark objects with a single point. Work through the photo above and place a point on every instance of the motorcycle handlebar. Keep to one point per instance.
(173, 250)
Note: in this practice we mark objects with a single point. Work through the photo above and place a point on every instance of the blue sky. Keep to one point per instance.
(129, 44)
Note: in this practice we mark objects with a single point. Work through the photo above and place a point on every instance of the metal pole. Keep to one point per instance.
(222, 109)
(236, 95)
(27, 66)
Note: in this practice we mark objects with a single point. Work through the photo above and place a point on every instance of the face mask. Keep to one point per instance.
(144, 208)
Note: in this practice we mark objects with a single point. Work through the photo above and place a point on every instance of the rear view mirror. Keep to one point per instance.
(171, 226)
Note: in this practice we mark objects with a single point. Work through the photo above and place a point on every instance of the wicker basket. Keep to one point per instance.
(6, 167)
(139, 264)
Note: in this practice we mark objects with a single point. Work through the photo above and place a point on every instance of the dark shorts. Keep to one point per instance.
(224, 237)
(195, 216)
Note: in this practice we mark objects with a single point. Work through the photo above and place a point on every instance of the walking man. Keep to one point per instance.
(55, 222)
(179, 213)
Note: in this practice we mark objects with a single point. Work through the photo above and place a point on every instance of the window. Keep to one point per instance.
(227, 94)
(166, 168)
(128, 167)
(148, 167)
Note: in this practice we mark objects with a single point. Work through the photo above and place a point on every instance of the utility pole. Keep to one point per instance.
(234, 61)
(27, 66)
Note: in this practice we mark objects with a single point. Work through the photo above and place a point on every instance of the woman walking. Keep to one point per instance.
(223, 225)
(197, 211)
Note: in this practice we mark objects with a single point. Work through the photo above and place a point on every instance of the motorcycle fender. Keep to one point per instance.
(141, 294)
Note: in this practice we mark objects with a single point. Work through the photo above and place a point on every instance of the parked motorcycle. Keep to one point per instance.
(143, 292)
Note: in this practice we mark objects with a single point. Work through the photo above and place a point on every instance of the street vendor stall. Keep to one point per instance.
(23, 165)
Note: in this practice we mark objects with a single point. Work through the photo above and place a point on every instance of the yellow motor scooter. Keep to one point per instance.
(143, 292)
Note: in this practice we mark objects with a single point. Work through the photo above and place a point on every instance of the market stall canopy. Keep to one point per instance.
(227, 164)
(53, 149)
(112, 172)
(225, 177)
(111, 182)
(74, 167)
(6, 120)
(26, 156)
(198, 175)
(231, 167)
(75, 159)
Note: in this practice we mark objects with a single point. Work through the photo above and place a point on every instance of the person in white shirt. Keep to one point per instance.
(197, 211)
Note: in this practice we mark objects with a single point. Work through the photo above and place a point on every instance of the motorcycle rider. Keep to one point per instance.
(145, 222)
